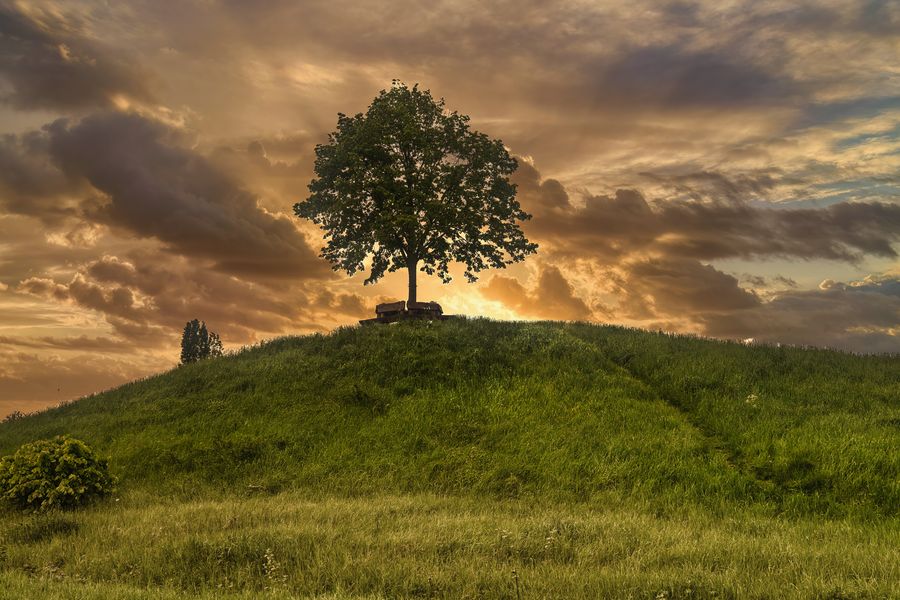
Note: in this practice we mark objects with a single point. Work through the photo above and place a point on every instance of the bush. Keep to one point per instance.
(59, 473)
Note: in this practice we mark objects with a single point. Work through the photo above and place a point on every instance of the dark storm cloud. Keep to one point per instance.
(879, 16)
(159, 188)
(29, 183)
(861, 317)
(49, 63)
(24, 167)
(676, 77)
(624, 223)
(115, 301)
(553, 297)
(685, 287)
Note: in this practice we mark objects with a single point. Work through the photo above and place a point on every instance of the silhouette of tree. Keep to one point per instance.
(197, 342)
(408, 183)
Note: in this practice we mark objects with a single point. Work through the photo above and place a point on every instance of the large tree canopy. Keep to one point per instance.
(407, 183)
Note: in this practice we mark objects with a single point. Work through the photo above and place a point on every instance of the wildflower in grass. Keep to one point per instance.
(272, 568)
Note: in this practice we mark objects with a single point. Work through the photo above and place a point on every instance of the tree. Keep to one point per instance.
(408, 183)
(198, 343)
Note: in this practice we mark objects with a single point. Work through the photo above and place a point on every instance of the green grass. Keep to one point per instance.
(432, 460)
(452, 547)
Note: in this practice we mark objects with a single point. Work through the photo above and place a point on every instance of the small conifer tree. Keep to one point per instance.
(198, 343)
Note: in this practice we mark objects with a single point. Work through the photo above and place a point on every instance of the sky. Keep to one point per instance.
(721, 168)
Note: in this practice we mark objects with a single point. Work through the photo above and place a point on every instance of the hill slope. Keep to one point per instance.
(505, 410)
(476, 459)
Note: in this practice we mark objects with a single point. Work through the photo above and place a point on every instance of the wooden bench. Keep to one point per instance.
(389, 312)
(425, 309)
(390, 309)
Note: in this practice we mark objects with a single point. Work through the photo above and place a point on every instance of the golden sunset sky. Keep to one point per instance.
(722, 168)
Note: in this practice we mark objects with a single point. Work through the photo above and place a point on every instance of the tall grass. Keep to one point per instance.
(425, 546)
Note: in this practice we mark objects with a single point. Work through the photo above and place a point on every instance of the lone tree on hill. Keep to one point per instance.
(198, 343)
(408, 183)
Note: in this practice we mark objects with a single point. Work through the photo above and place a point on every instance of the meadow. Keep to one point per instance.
(481, 459)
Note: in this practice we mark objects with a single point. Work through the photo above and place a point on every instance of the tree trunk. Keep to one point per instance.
(411, 266)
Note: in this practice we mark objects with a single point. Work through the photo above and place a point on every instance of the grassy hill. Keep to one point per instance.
(433, 459)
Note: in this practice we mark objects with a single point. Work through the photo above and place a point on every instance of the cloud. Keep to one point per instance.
(81, 343)
(139, 175)
(348, 304)
(617, 225)
(148, 296)
(683, 287)
(762, 283)
(650, 263)
(712, 185)
(675, 77)
(30, 381)
(159, 188)
(40, 286)
(553, 297)
(861, 316)
(49, 62)
(279, 166)
(30, 184)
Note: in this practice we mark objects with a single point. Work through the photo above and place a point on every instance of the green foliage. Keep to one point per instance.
(198, 343)
(60, 473)
(409, 182)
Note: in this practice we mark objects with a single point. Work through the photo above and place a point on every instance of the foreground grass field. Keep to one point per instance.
(439, 547)
(433, 460)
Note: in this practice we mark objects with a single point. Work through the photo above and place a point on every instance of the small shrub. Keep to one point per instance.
(59, 473)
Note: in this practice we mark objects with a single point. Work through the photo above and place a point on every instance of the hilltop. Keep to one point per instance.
(507, 409)
(573, 418)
